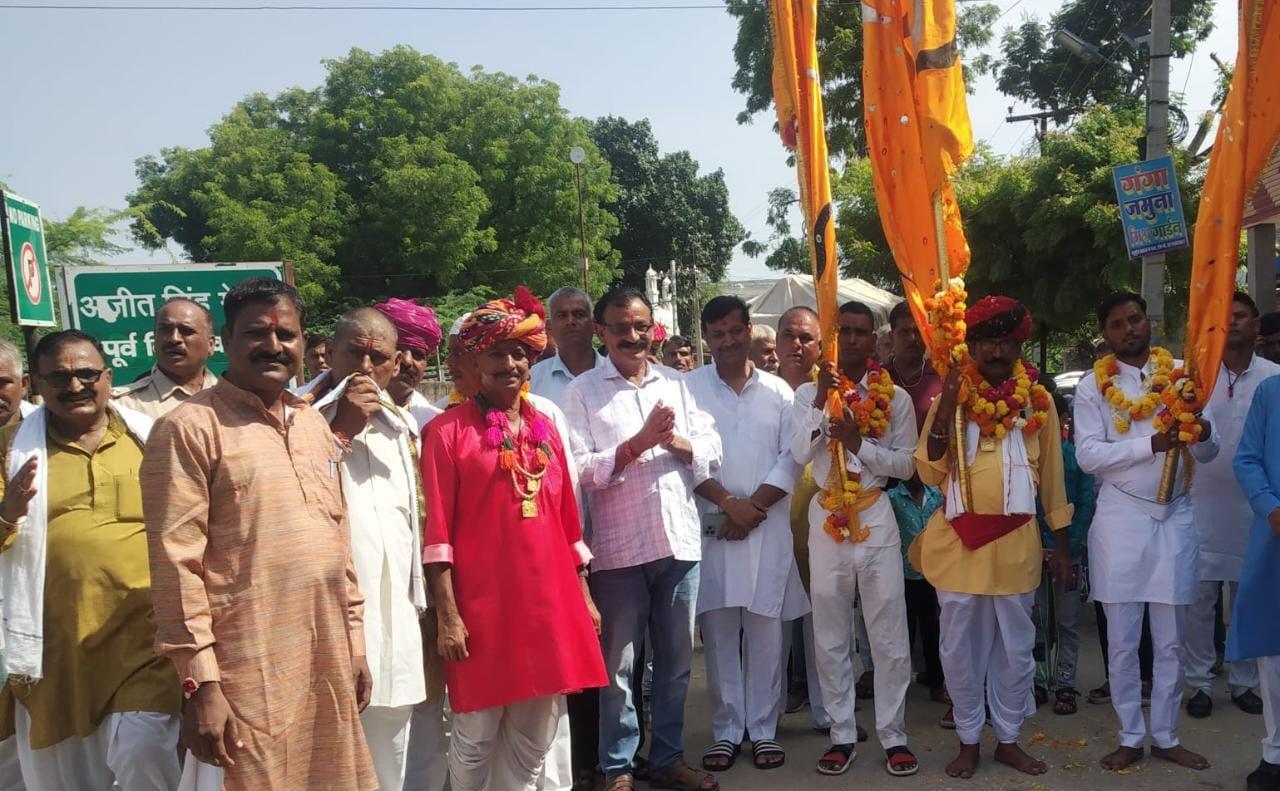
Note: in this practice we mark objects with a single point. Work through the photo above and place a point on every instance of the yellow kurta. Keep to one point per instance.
(98, 622)
(1012, 563)
(805, 489)
(254, 583)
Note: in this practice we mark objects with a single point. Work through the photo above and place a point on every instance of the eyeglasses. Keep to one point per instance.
(62, 378)
(640, 328)
(1006, 345)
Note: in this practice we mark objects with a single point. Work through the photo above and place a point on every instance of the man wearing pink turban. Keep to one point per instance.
(419, 337)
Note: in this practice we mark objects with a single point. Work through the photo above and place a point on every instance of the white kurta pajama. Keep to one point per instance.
(749, 587)
(872, 567)
(379, 481)
(1222, 517)
(1141, 554)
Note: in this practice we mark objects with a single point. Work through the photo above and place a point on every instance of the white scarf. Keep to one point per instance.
(22, 567)
(1019, 484)
(407, 427)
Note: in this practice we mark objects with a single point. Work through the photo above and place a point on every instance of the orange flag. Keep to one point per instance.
(797, 95)
(1248, 133)
(918, 132)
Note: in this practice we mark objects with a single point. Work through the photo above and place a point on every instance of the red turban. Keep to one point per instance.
(416, 324)
(998, 317)
(501, 320)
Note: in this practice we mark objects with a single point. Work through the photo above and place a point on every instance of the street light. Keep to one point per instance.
(577, 156)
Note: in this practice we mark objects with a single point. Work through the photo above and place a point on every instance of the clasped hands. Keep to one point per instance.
(659, 430)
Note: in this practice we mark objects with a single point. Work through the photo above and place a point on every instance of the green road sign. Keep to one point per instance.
(25, 263)
(117, 305)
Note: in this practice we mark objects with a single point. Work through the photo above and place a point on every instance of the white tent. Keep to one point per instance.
(793, 290)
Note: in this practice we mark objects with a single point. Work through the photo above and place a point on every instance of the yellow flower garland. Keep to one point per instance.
(871, 415)
(1125, 410)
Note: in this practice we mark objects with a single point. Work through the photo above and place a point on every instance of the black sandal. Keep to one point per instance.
(723, 749)
(1065, 702)
(767, 748)
(840, 756)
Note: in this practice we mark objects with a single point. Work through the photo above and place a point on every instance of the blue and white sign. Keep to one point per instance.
(1150, 207)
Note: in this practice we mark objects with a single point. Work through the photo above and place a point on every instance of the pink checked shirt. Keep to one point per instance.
(647, 511)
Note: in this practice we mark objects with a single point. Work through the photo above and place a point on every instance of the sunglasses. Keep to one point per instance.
(62, 378)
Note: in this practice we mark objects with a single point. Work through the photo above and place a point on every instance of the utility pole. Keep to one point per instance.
(1157, 146)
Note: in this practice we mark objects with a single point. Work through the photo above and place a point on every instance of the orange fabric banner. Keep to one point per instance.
(797, 95)
(918, 132)
(1248, 134)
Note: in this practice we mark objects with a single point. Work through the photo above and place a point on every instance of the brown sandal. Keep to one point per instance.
(679, 776)
(623, 782)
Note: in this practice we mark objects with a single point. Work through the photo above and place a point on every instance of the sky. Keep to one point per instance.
(88, 91)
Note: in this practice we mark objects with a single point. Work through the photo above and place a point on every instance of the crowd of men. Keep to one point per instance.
(241, 582)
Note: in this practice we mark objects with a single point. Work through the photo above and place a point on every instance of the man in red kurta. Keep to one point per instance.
(505, 561)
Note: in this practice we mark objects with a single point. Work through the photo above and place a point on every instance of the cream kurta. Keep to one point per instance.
(253, 583)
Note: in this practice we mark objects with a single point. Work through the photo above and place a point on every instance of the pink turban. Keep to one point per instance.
(416, 324)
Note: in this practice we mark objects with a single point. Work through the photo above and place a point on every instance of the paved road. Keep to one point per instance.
(1070, 745)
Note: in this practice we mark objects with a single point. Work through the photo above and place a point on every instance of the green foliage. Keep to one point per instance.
(400, 175)
(1044, 229)
(665, 210)
(839, 62)
(1033, 67)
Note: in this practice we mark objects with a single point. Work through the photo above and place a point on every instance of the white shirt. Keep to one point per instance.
(890, 456)
(550, 377)
(381, 488)
(421, 409)
(758, 573)
(646, 511)
(1221, 509)
(1139, 550)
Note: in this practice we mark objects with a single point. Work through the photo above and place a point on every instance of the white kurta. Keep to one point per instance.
(421, 409)
(758, 573)
(1221, 509)
(1139, 550)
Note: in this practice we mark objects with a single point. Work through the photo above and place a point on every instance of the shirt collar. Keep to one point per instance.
(165, 386)
(238, 395)
(558, 367)
(611, 372)
(1253, 360)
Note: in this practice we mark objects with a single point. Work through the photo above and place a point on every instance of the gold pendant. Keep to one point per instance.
(987, 444)
(528, 509)
(533, 485)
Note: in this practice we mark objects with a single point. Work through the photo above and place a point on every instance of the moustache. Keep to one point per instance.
(630, 345)
(282, 359)
(71, 398)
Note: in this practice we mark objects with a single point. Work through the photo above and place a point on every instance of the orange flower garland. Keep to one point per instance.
(946, 316)
(1181, 404)
(1000, 410)
(871, 415)
(1125, 410)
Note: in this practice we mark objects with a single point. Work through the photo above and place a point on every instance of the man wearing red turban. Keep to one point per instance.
(982, 550)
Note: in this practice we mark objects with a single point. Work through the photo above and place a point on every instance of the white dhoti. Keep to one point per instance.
(1269, 685)
(503, 747)
(986, 642)
(1201, 655)
(837, 572)
(136, 750)
(557, 771)
(1124, 631)
(427, 767)
(10, 767)
(744, 673)
(386, 731)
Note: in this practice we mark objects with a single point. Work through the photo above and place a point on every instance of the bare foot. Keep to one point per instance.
(1011, 754)
(1121, 758)
(1181, 756)
(965, 763)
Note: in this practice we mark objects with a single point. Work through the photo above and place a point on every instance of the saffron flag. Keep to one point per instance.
(1248, 134)
(918, 133)
(797, 95)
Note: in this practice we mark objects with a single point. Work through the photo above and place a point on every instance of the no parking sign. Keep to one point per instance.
(25, 262)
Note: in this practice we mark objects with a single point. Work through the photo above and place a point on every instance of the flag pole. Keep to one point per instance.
(958, 430)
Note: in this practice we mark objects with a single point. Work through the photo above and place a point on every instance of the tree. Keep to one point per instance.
(839, 61)
(782, 250)
(1043, 229)
(665, 210)
(399, 175)
(1033, 67)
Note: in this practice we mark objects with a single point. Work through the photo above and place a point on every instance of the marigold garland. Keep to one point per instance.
(999, 410)
(1125, 410)
(871, 414)
(946, 311)
(1181, 404)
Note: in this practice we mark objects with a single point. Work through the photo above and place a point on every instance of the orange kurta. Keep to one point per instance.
(253, 584)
